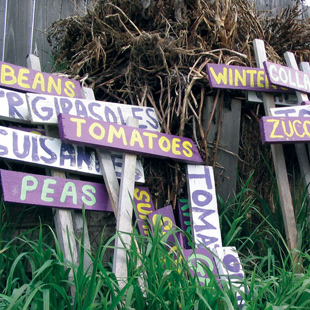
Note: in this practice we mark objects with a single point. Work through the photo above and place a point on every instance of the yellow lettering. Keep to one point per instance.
(231, 80)
(251, 73)
(187, 149)
(79, 122)
(136, 137)
(284, 128)
(120, 134)
(175, 145)
(8, 72)
(38, 79)
(52, 84)
(69, 89)
(240, 78)
(151, 137)
(260, 79)
(221, 77)
(306, 128)
(161, 142)
(275, 126)
(22, 78)
(141, 211)
(139, 196)
(294, 125)
(92, 128)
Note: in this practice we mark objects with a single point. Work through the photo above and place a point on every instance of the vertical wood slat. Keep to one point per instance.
(279, 161)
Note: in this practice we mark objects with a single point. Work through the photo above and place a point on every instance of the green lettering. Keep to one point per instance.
(85, 190)
(69, 190)
(46, 190)
(29, 183)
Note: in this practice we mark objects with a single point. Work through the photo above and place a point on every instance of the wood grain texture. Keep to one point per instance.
(279, 162)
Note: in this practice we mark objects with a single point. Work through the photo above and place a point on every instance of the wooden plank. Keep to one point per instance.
(287, 76)
(44, 109)
(116, 137)
(124, 214)
(33, 189)
(241, 78)
(203, 206)
(18, 31)
(285, 130)
(279, 162)
(29, 80)
(223, 142)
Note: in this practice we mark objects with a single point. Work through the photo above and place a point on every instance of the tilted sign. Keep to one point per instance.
(287, 77)
(203, 205)
(45, 109)
(26, 188)
(51, 152)
(241, 78)
(28, 80)
(184, 220)
(293, 111)
(116, 137)
(284, 129)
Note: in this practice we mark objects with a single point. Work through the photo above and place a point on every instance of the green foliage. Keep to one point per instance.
(35, 275)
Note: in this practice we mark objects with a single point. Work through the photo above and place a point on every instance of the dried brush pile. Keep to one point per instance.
(153, 53)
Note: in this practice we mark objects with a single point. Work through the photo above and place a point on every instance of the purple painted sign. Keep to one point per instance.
(184, 220)
(287, 77)
(241, 78)
(284, 129)
(124, 138)
(28, 80)
(203, 206)
(293, 111)
(167, 221)
(53, 192)
(144, 206)
(198, 262)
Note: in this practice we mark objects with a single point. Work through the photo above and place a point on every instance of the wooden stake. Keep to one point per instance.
(279, 162)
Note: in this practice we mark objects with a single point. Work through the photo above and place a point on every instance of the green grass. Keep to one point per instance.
(35, 275)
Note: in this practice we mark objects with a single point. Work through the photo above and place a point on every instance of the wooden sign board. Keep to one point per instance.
(167, 221)
(284, 129)
(26, 188)
(144, 206)
(230, 269)
(241, 78)
(100, 134)
(28, 80)
(44, 109)
(293, 111)
(198, 261)
(184, 220)
(203, 206)
(51, 152)
(287, 77)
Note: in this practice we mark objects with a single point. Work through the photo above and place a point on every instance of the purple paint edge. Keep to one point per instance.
(11, 192)
(181, 218)
(32, 73)
(67, 135)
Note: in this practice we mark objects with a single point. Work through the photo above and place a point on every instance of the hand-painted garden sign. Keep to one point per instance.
(28, 80)
(199, 262)
(44, 109)
(203, 206)
(167, 221)
(144, 206)
(241, 78)
(51, 152)
(184, 220)
(116, 137)
(26, 188)
(284, 129)
(287, 77)
(230, 269)
(293, 111)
